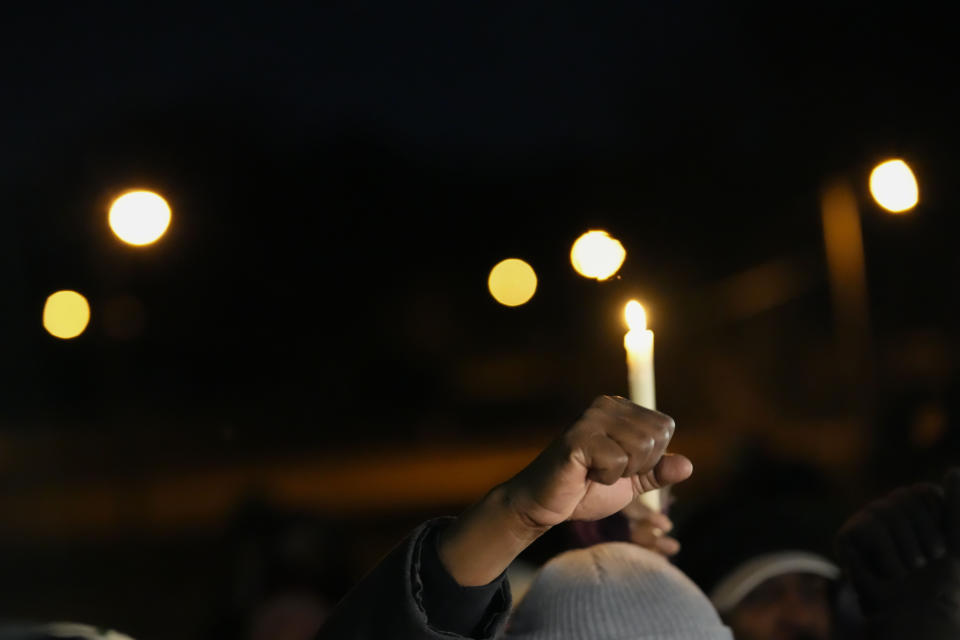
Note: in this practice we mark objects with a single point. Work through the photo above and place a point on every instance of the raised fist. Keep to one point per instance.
(891, 539)
(615, 451)
(903, 556)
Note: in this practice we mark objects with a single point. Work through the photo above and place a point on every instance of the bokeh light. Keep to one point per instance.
(894, 186)
(66, 314)
(512, 282)
(139, 217)
(597, 255)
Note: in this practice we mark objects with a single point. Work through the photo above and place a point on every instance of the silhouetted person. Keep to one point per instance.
(903, 555)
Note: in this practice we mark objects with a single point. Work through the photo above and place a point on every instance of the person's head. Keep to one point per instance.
(614, 591)
(778, 596)
(765, 568)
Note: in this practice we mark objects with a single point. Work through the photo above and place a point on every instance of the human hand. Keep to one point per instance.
(890, 540)
(649, 528)
(613, 453)
(901, 553)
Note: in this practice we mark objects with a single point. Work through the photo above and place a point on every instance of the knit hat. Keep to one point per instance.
(731, 549)
(614, 591)
(58, 631)
(746, 577)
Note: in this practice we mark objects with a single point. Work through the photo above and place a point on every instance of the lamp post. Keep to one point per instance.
(894, 188)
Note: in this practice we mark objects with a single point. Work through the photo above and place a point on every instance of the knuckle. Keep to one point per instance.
(593, 418)
(594, 413)
(662, 425)
(619, 459)
(649, 444)
(663, 439)
(669, 424)
(602, 401)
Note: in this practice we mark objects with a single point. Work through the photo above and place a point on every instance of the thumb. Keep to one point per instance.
(671, 469)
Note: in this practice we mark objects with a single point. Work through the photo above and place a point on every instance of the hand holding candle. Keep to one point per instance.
(639, 345)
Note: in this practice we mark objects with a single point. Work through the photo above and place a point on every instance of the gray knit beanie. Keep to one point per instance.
(614, 591)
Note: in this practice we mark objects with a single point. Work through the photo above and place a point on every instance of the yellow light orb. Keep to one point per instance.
(66, 314)
(139, 217)
(596, 255)
(512, 282)
(894, 186)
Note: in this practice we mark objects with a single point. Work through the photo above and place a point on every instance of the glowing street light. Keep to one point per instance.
(597, 255)
(894, 186)
(512, 282)
(66, 314)
(139, 217)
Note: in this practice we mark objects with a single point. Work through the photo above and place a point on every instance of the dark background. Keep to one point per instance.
(314, 330)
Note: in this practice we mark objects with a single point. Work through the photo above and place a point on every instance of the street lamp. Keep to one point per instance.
(894, 188)
(139, 218)
(597, 255)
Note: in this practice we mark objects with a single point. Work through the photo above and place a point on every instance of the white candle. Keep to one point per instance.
(639, 345)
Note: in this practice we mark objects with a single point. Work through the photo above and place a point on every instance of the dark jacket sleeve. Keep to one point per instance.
(410, 596)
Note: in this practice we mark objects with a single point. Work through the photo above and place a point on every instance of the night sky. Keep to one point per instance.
(343, 177)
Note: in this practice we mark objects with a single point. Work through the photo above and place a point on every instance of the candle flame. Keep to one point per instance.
(635, 315)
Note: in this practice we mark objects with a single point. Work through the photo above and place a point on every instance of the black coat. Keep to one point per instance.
(409, 596)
